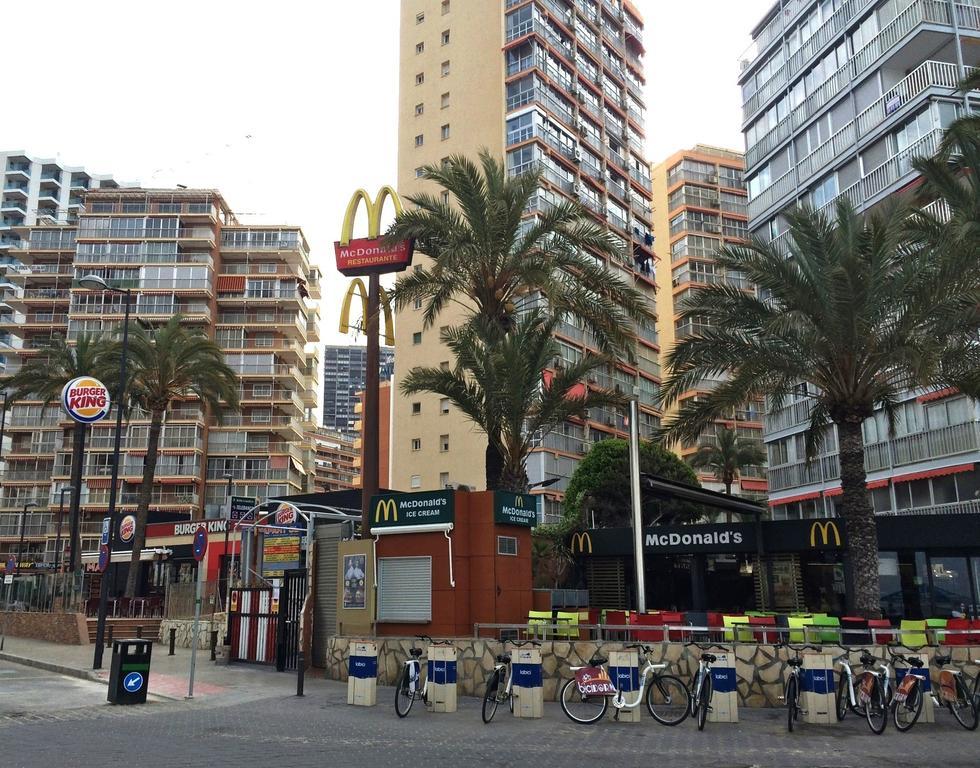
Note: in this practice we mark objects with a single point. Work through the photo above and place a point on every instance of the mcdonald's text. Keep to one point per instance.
(367, 256)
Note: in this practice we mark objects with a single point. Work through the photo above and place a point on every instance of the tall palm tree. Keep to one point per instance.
(852, 309)
(166, 364)
(500, 384)
(486, 258)
(42, 378)
(727, 456)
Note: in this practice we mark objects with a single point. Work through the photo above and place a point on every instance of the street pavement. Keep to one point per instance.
(48, 720)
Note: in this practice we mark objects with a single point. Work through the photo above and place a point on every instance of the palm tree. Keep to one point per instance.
(851, 309)
(486, 258)
(166, 364)
(727, 456)
(501, 385)
(42, 378)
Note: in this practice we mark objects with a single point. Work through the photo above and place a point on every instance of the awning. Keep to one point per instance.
(429, 528)
(938, 395)
(124, 556)
(956, 468)
(877, 484)
(297, 466)
(178, 480)
(791, 499)
(230, 283)
(838, 491)
(754, 485)
(98, 482)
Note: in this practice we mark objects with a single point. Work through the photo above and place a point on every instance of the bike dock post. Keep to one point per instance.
(818, 699)
(928, 714)
(724, 697)
(528, 690)
(362, 674)
(624, 671)
(442, 678)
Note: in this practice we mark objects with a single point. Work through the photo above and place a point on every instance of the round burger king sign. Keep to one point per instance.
(85, 399)
(127, 528)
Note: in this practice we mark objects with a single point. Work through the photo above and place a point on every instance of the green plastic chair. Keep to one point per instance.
(913, 633)
(797, 632)
(567, 621)
(539, 621)
(737, 635)
(934, 625)
(827, 635)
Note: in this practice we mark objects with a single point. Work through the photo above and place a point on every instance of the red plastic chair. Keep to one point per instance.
(955, 638)
(762, 636)
(617, 618)
(673, 618)
(881, 638)
(716, 622)
(647, 620)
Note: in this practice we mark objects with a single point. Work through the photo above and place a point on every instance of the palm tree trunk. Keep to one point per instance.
(77, 461)
(859, 522)
(493, 466)
(146, 493)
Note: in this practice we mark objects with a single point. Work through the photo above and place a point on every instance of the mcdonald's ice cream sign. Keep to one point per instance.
(368, 255)
(515, 509)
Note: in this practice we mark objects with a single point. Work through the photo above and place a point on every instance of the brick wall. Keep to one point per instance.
(64, 628)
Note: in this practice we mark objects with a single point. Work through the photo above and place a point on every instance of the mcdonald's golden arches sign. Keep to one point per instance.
(368, 255)
(825, 530)
(515, 509)
(390, 510)
(581, 543)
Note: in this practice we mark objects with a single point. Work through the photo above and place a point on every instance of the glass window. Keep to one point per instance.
(506, 545)
(951, 590)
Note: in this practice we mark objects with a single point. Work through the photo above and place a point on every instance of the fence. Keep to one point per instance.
(46, 592)
(179, 603)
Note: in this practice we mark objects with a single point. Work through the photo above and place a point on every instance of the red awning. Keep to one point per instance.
(938, 395)
(754, 485)
(98, 482)
(933, 473)
(877, 484)
(231, 283)
(179, 481)
(838, 491)
(791, 499)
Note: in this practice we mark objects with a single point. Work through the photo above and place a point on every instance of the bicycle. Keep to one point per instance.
(791, 693)
(953, 695)
(875, 692)
(847, 699)
(407, 688)
(502, 671)
(702, 684)
(585, 698)
(906, 705)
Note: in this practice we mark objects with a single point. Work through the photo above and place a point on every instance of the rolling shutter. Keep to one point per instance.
(405, 589)
(325, 603)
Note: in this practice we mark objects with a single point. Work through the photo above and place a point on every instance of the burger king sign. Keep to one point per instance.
(86, 399)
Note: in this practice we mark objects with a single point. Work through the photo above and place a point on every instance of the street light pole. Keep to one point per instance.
(23, 523)
(57, 545)
(231, 562)
(99, 283)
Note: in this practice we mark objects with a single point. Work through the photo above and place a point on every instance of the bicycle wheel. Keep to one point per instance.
(704, 701)
(667, 700)
(876, 710)
(906, 713)
(790, 694)
(843, 701)
(579, 708)
(490, 700)
(403, 696)
(964, 709)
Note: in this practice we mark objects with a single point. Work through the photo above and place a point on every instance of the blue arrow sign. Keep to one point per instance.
(133, 682)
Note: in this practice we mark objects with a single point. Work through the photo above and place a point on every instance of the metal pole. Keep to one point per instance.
(3, 419)
(641, 597)
(120, 396)
(369, 456)
(57, 547)
(196, 634)
(231, 565)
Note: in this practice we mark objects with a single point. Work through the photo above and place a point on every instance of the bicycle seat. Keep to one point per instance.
(597, 661)
(868, 661)
(914, 662)
(942, 661)
(797, 662)
(416, 652)
(709, 657)
(503, 658)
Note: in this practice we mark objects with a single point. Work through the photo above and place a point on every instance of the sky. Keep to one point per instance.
(287, 107)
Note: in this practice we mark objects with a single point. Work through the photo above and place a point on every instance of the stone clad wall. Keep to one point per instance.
(185, 632)
(64, 628)
(761, 669)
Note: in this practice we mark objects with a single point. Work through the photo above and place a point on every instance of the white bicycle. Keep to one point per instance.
(408, 687)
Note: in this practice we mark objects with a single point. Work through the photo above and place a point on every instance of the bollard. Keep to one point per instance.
(362, 674)
(724, 697)
(441, 678)
(139, 633)
(300, 672)
(108, 637)
(528, 693)
(214, 643)
(624, 669)
(818, 692)
(173, 640)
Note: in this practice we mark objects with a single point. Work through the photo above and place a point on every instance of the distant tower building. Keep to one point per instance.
(344, 372)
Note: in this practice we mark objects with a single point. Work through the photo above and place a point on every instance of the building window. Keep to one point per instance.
(445, 131)
(506, 545)
(419, 140)
(419, 18)
(416, 408)
(416, 481)
(417, 337)
(417, 304)
(444, 405)
(420, 78)
(419, 172)
(445, 7)
(419, 109)
(419, 48)
(445, 198)
(443, 479)
(443, 443)
(445, 68)
(445, 100)
(416, 443)
(445, 37)
(444, 365)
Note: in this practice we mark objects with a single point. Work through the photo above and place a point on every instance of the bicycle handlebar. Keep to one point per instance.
(641, 646)
(521, 643)
(706, 647)
(432, 640)
(798, 648)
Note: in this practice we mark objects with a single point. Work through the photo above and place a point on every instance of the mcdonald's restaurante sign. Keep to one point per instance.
(515, 509)
(368, 255)
(390, 510)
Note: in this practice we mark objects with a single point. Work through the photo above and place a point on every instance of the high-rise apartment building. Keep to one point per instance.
(546, 84)
(251, 288)
(334, 460)
(699, 204)
(344, 372)
(839, 97)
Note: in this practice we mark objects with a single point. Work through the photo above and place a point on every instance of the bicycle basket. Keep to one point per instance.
(947, 686)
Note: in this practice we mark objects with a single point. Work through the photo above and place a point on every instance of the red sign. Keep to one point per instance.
(167, 530)
(127, 528)
(593, 681)
(367, 256)
(103, 557)
(285, 514)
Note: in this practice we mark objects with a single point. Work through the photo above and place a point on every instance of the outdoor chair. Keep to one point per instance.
(934, 631)
(647, 620)
(732, 635)
(537, 624)
(913, 633)
(567, 621)
(829, 635)
(857, 631)
(763, 636)
(955, 638)
(797, 626)
(878, 637)
(617, 619)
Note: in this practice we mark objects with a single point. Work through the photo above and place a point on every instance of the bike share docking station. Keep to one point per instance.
(624, 670)
(818, 699)
(362, 674)
(724, 697)
(442, 678)
(528, 683)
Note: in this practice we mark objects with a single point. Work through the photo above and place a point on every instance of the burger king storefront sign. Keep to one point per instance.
(86, 399)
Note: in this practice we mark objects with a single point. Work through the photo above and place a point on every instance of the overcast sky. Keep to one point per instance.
(287, 107)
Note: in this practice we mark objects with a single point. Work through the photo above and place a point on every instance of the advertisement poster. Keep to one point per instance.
(355, 568)
(280, 552)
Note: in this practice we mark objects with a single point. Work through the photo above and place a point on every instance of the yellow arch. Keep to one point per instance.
(374, 211)
(357, 285)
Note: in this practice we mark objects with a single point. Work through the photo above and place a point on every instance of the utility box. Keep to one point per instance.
(527, 689)
(362, 674)
(129, 674)
(818, 699)
(928, 714)
(724, 696)
(624, 671)
(441, 678)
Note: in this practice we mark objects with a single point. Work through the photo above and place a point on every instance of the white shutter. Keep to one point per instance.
(405, 589)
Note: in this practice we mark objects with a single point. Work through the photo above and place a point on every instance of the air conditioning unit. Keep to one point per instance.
(610, 421)
(583, 126)
(712, 179)
(608, 176)
(577, 155)
(583, 448)
(577, 190)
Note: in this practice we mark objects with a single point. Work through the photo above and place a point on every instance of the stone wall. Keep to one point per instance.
(185, 631)
(64, 628)
(761, 669)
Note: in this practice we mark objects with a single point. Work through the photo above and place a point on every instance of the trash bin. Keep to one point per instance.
(129, 675)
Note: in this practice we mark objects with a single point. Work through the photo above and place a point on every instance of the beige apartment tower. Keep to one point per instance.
(545, 84)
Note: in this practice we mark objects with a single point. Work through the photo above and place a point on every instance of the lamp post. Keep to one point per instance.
(23, 524)
(96, 283)
(57, 543)
(231, 563)
(3, 419)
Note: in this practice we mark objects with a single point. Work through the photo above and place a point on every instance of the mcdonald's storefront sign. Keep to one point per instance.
(368, 255)
(515, 509)
(581, 543)
(823, 532)
(389, 510)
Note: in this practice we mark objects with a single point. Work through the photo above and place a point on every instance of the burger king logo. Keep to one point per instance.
(285, 514)
(86, 399)
(127, 529)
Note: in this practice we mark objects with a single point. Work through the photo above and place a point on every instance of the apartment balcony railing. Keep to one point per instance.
(968, 507)
(788, 416)
(709, 278)
(690, 329)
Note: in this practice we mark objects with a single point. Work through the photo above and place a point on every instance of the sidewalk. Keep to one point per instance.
(168, 674)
